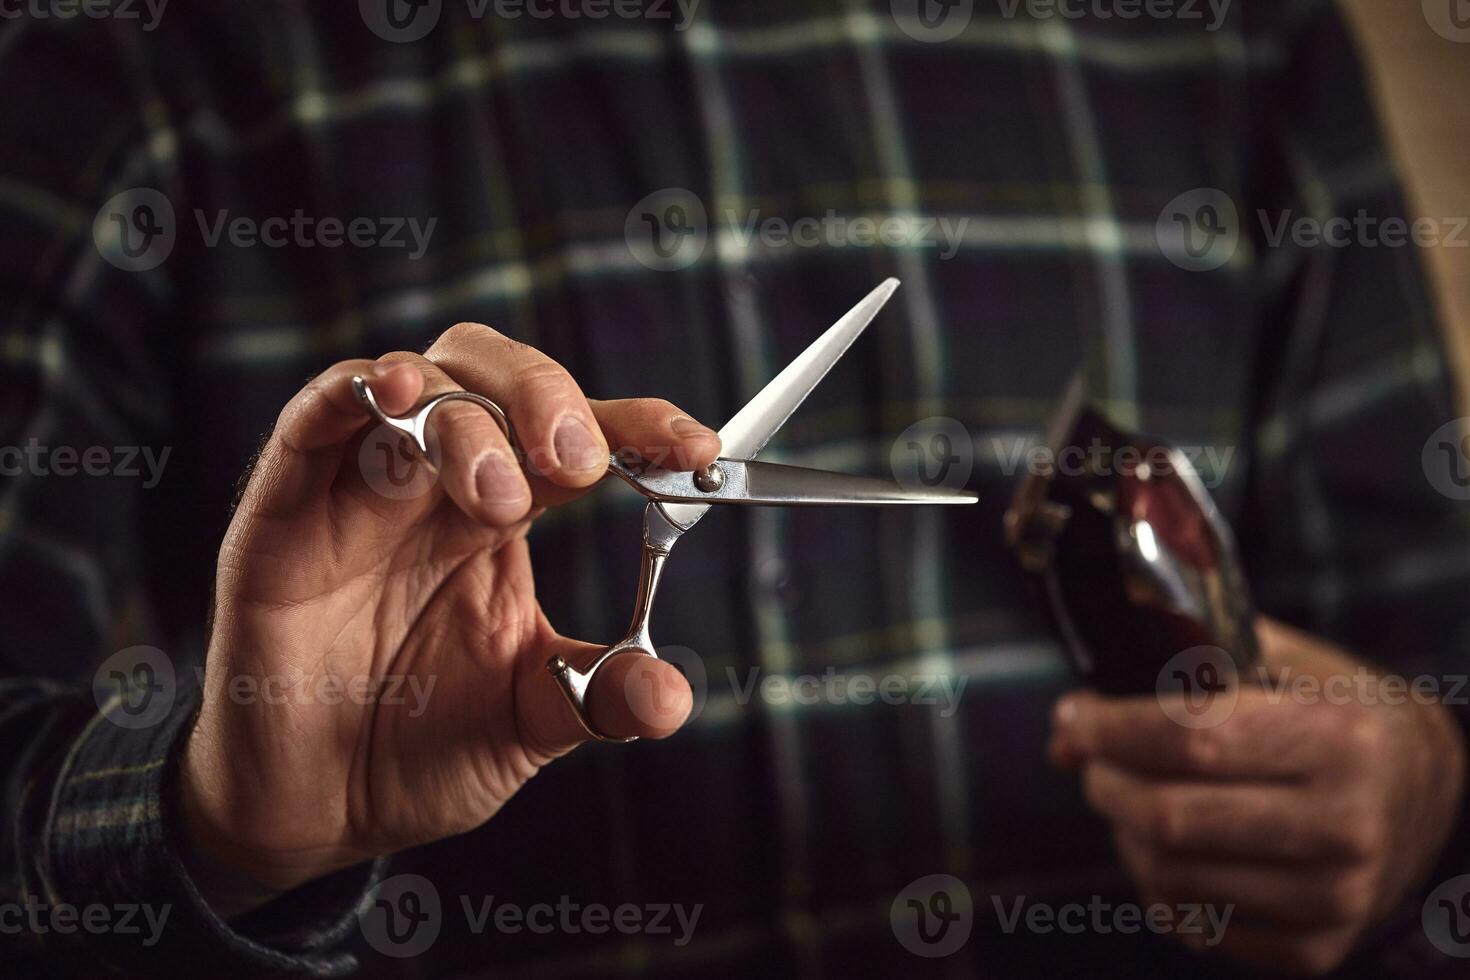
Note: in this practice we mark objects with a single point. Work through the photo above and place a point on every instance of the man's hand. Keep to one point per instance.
(1314, 818)
(335, 582)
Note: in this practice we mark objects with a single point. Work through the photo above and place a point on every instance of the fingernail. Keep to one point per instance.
(497, 482)
(576, 448)
(382, 370)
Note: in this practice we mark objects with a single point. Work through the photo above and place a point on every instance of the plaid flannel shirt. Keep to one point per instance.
(1051, 146)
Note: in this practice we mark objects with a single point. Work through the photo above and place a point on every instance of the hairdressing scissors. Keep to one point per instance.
(678, 500)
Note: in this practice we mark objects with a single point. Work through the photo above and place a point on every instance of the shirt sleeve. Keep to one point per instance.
(91, 718)
(1358, 527)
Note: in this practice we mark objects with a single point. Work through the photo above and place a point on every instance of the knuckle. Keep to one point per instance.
(544, 378)
(1200, 747)
(1361, 837)
(1314, 957)
(654, 408)
(1363, 734)
(460, 334)
(1170, 828)
(1349, 897)
(461, 420)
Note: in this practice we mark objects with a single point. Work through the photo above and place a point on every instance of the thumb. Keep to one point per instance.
(632, 695)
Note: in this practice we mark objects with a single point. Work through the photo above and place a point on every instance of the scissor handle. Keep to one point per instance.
(659, 536)
(415, 425)
(574, 683)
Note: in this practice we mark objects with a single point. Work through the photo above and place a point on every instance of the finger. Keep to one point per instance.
(658, 432)
(631, 696)
(638, 695)
(1223, 822)
(1288, 950)
(1261, 738)
(553, 422)
(1261, 893)
(300, 459)
(477, 466)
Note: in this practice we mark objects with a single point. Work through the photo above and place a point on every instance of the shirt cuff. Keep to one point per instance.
(113, 839)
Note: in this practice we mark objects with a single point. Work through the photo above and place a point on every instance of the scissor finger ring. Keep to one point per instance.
(415, 425)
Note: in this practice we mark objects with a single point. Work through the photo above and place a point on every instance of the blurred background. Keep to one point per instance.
(1420, 82)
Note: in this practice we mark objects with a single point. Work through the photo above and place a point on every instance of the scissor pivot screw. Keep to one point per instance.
(710, 479)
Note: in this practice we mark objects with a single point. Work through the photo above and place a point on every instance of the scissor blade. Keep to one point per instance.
(745, 435)
(777, 485)
(794, 486)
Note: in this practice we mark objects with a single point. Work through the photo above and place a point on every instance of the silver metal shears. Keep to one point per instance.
(677, 500)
